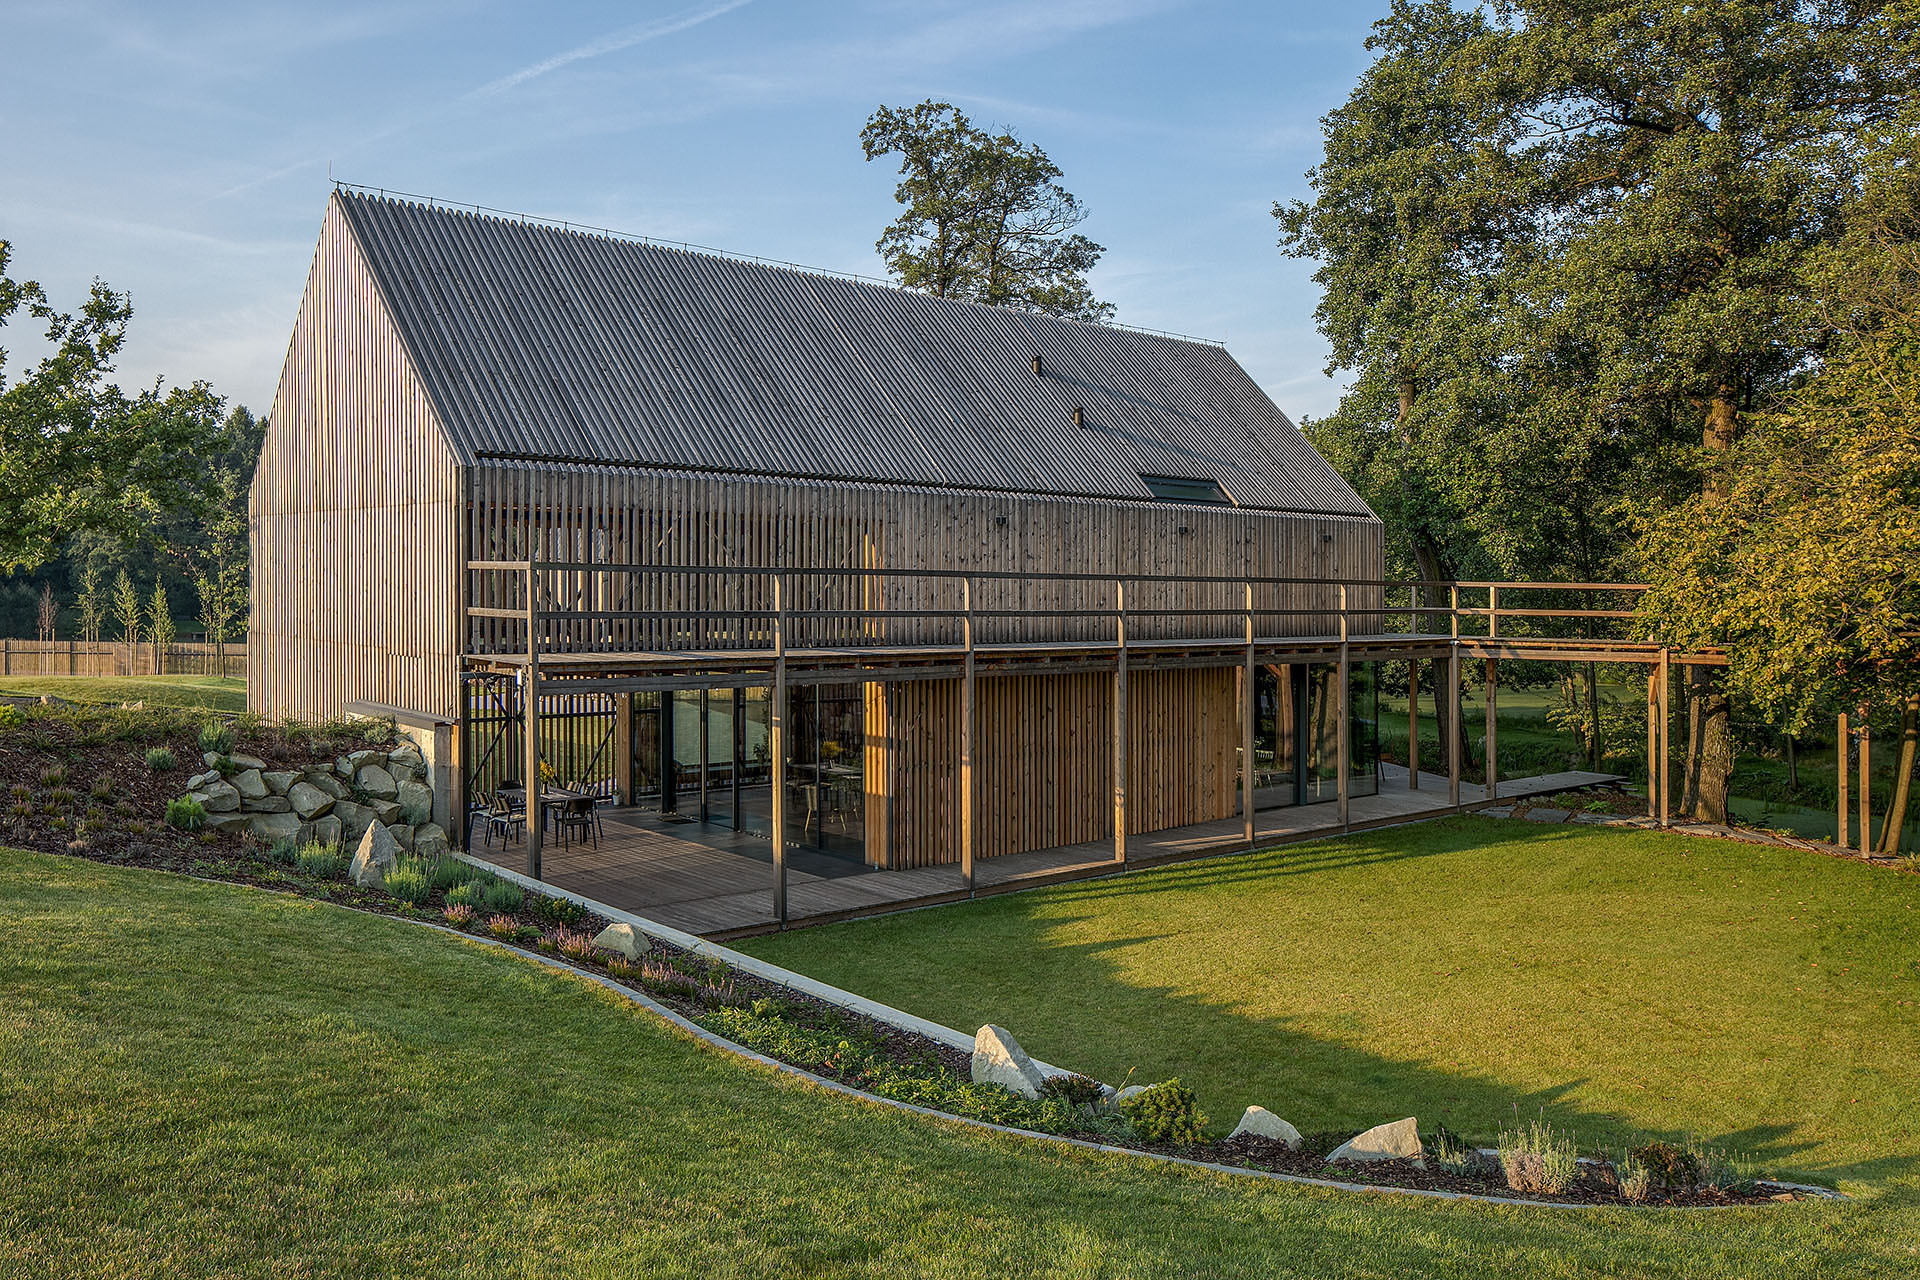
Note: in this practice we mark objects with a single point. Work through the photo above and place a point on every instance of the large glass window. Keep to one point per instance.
(1296, 733)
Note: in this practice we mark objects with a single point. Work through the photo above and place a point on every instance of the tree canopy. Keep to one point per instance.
(985, 215)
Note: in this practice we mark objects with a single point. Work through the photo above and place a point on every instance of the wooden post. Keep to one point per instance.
(1493, 612)
(1120, 723)
(1493, 729)
(777, 748)
(623, 747)
(966, 734)
(1452, 717)
(1342, 767)
(1249, 709)
(1653, 745)
(530, 711)
(1843, 758)
(1413, 724)
(1666, 771)
(1866, 810)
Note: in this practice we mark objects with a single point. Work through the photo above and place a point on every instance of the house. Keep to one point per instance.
(930, 508)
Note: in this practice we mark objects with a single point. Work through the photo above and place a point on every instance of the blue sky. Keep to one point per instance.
(183, 152)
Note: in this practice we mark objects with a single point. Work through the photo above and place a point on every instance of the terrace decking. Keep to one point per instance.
(719, 883)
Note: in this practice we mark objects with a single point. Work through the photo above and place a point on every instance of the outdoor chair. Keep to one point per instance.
(505, 818)
(577, 817)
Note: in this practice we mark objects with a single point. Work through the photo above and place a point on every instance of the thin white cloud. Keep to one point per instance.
(612, 42)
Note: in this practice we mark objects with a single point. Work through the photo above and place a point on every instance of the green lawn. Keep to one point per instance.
(199, 1080)
(1766, 1000)
(222, 693)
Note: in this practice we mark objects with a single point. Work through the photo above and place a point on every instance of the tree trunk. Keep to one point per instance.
(1597, 748)
(1902, 776)
(1709, 765)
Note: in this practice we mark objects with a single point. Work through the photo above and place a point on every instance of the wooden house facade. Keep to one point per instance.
(657, 475)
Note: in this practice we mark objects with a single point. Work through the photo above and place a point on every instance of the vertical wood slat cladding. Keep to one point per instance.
(353, 513)
(1043, 761)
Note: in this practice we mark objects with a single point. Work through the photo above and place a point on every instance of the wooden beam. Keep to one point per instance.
(1664, 675)
(966, 735)
(1249, 710)
(1120, 723)
(1866, 809)
(777, 748)
(1653, 744)
(1342, 766)
(1452, 719)
(1413, 724)
(1492, 760)
(530, 711)
(623, 747)
(1843, 750)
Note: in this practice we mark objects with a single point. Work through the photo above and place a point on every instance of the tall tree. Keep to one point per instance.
(1658, 180)
(985, 215)
(75, 452)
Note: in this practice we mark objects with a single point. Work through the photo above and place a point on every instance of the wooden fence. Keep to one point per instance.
(118, 658)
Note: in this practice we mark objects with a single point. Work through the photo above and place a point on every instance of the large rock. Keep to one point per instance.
(1397, 1141)
(328, 783)
(385, 812)
(430, 840)
(375, 857)
(375, 781)
(999, 1059)
(225, 822)
(267, 804)
(200, 780)
(354, 818)
(247, 762)
(416, 803)
(625, 939)
(274, 827)
(358, 760)
(326, 830)
(407, 756)
(1258, 1122)
(221, 797)
(279, 781)
(250, 784)
(308, 800)
(402, 835)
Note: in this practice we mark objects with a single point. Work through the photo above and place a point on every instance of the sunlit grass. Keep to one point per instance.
(221, 693)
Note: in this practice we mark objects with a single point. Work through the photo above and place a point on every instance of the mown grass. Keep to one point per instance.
(220, 693)
(1469, 972)
(197, 1079)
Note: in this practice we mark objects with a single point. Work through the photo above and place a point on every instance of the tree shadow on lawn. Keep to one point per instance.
(1075, 1004)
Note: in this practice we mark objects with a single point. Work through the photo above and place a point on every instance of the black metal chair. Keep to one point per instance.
(505, 818)
(575, 815)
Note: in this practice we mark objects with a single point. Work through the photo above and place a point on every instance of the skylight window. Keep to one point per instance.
(1176, 489)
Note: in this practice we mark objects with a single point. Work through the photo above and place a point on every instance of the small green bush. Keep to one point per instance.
(284, 851)
(1166, 1113)
(224, 766)
(555, 911)
(1672, 1168)
(1074, 1090)
(160, 759)
(1448, 1151)
(1537, 1160)
(216, 739)
(186, 813)
(468, 893)
(448, 872)
(321, 861)
(502, 896)
(1635, 1179)
(411, 881)
(11, 717)
(458, 914)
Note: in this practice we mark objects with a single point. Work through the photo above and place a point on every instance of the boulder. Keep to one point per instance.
(1397, 1141)
(326, 830)
(430, 840)
(625, 939)
(320, 780)
(212, 759)
(274, 827)
(279, 781)
(358, 760)
(1131, 1091)
(407, 756)
(999, 1059)
(376, 782)
(1538, 814)
(354, 818)
(1258, 1122)
(247, 762)
(402, 835)
(250, 784)
(374, 858)
(416, 803)
(385, 812)
(224, 822)
(308, 800)
(200, 780)
(220, 797)
(267, 804)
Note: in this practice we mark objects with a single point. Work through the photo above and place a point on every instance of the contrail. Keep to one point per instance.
(612, 42)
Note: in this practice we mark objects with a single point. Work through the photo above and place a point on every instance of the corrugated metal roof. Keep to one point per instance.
(540, 342)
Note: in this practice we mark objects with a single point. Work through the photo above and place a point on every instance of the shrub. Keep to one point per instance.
(502, 896)
(53, 775)
(458, 914)
(102, 789)
(468, 893)
(1635, 1178)
(321, 861)
(449, 872)
(186, 813)
(1671, 1168)
(216, 739)
(11, 717)
(574, 946)
(411, 881)
(556, 911)
(620, 967)
(1452, 1153)
(1719, 1170)
(1074, 1090)
(1537, 1160)
(1166, 1113)
(224, 766)
(503, 928)
(284, 851)
(160, 759)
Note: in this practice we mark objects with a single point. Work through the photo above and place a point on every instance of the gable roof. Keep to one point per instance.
(543, 343)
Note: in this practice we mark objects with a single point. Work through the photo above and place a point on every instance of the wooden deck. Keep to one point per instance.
(719, 883)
